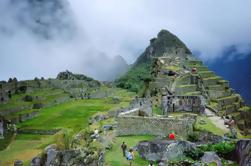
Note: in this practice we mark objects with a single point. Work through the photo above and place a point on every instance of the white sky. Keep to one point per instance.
(124, 28)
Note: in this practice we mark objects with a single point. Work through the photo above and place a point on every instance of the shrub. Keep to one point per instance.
(193, 137)
(221, 148)
(37, 105)
(28, 98)
(63, 140)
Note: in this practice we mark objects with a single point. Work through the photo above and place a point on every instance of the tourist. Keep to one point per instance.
(124, 147)
(1, 130)
(172, 136)
(96, 133)
(130, 156)
(151, 163)
(161, 163)
(231, 125)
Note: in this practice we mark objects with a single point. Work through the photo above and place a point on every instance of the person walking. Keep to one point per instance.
(130, 156)
(151, 163)
(233, 131)
(124, 147)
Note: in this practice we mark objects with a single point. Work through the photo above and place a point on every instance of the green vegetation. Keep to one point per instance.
(72, 115)
(43, 95)
(173, 68)
(208, 126)
(114, 157)
(134, 79)
(157, 111)
(245, 108)
(193, 137)
(24, 147)
(221, 148)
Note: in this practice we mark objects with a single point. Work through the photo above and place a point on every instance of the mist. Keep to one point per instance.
(42, 38)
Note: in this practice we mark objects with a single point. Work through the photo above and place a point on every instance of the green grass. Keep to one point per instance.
(245, 108)
(157, 111)
(46, 95)
(173, 68)
(24, 148)
(114, 157)
(209, 126)
(73, 115)
(212, 78)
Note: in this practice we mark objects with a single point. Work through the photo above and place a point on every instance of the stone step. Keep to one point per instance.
(185, 79)
(158, 85)
(181, 89)
(194, 62)
(227, 100)
(195, 93)
(216, 87)
(206, 74)
(199, 68)
(219, 94)
(230, 108)
(223, 82)
(162, 79)
(211, 81)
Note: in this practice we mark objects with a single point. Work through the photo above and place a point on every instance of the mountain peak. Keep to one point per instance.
(165, 43)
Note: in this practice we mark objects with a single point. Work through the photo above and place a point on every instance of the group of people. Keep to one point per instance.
(129, 155)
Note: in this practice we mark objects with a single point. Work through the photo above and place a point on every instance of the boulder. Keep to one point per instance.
(211, 157)
(243, 152)
(108, 127)
(52, 155)
(36, 161)
(208, 137)
(164, 149)
(71, 157)
(98, 118)
(18, 163)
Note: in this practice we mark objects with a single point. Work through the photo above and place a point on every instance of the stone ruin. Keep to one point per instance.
(172, 103)
(140, 122)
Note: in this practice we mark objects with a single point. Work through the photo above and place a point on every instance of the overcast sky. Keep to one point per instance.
(123, 28)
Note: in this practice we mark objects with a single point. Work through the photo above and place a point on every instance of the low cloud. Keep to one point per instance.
(44, 39)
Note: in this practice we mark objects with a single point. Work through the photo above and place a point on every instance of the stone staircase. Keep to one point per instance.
(224, 100)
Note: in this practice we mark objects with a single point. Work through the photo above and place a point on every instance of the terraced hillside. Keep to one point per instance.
(173, 70)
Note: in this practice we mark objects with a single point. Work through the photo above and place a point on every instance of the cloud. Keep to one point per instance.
(42, 38)
(206, 26)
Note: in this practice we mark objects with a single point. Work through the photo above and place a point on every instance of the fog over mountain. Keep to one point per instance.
(44, 37)
(235, 67)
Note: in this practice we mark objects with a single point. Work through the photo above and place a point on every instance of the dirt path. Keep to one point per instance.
(218, 121)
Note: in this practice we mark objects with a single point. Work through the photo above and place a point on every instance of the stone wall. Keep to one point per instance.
(159, 126)
(181, 103)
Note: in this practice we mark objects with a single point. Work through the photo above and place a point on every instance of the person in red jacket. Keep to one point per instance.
(172, 136)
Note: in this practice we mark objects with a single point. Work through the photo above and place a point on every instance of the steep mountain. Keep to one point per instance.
(164, 44)
(167, 68)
